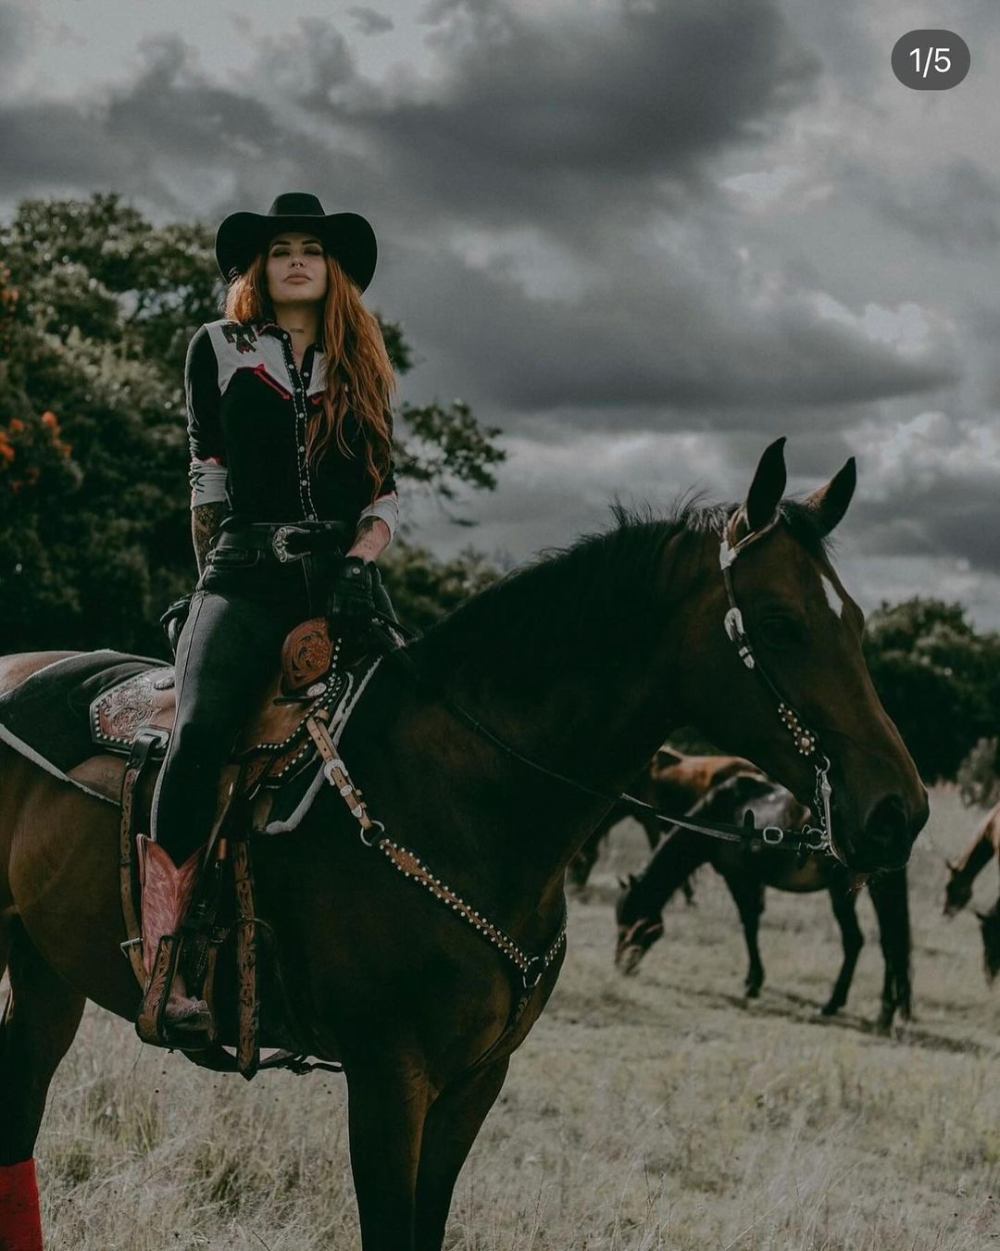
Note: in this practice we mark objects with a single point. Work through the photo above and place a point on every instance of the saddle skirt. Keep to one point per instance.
(273, 745)
(78, 717)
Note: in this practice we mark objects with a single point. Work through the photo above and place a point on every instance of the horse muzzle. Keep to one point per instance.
(885, 837)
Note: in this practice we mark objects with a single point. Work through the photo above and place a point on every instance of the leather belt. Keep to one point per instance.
(286, 541)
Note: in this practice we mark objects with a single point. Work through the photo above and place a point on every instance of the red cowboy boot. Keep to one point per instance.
(166, 893)
(20, 1221)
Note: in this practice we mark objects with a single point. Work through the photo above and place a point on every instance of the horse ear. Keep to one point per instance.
(666, 757)
(830, 502)
(767, 487)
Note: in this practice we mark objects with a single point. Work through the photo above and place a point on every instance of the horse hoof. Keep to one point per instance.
(753, 992)
(830, 1009)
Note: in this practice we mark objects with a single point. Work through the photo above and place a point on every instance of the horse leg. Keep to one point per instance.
(388, 1097)
(749, 899)
(892, 907)
(39, 1022)
(452, 1124)
(844, 903)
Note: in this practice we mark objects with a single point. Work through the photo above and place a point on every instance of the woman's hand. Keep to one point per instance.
(352, 592)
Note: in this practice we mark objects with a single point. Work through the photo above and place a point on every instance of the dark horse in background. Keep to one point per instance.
(748, 871)
(672, 781)
(962, 872)
(412, 999)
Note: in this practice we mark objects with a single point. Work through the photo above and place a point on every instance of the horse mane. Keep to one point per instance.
(569, 602)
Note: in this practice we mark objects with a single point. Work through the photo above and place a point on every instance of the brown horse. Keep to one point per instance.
(958, 891)
(747, 872)
(671, 782)
(620, 636)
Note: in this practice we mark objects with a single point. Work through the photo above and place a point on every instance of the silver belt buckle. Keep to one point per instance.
(279, 544)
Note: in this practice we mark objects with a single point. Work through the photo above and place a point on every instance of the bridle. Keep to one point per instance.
(806, 741)
(810, 839)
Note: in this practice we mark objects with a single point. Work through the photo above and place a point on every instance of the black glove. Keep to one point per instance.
(352, 593)
(173, 620)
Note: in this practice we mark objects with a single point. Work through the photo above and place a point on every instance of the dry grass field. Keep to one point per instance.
(654, 1112)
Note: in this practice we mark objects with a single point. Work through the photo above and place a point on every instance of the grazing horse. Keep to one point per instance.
(462, 751)
(747, 872)
(958, 891)
(672, 782)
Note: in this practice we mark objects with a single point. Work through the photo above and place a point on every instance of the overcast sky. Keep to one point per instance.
(643, 237)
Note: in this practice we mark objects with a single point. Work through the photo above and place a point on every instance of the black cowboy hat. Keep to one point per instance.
(346, 236)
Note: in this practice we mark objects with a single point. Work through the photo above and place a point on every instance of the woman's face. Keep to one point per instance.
(296, 269)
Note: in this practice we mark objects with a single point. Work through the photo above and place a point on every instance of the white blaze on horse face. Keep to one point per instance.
(832, 598)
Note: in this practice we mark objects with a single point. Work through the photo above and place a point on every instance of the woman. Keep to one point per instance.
(290, 434)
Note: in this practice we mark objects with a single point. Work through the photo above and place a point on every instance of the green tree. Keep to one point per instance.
(939, 679)
(97, 306)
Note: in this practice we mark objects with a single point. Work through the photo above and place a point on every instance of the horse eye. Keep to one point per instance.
(780, 632)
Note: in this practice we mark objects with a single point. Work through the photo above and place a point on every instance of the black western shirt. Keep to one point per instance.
(249, 407)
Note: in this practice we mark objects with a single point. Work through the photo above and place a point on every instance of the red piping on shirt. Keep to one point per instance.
(261, 372)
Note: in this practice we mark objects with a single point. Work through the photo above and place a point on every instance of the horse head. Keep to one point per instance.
(773, 667)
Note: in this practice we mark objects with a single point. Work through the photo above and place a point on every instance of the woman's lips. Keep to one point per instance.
(299, 278)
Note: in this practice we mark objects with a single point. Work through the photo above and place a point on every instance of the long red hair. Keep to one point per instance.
(359, 374)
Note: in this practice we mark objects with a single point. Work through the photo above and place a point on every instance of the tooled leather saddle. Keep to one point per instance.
(273, 746)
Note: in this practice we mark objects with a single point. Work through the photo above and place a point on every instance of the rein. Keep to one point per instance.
(532, 968)
(811, 839)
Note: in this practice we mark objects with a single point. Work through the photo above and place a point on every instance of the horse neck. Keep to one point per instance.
(597, 720)
(673, 862)
(980, 852)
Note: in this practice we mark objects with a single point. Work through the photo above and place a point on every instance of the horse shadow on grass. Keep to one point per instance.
(789, 1006)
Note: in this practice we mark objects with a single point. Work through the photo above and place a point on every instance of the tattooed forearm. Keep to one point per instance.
(371, 539)
(205, 520)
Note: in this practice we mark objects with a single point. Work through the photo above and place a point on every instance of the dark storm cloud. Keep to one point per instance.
(551, 232)
(952, 517)
(583, 130)
(651, 343)
(954, 205)
(134, 137)
(560, 119)
(369, 21)
(13, 34)
(312, 67)
(929, 486)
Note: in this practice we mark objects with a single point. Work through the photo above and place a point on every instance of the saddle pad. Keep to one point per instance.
(47, 713)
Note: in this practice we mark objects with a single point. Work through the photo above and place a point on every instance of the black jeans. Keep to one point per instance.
(227, 654)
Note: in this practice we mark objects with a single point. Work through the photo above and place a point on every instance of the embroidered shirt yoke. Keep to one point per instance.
(248, 409)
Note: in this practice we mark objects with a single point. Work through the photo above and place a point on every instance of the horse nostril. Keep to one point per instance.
(888, 823)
